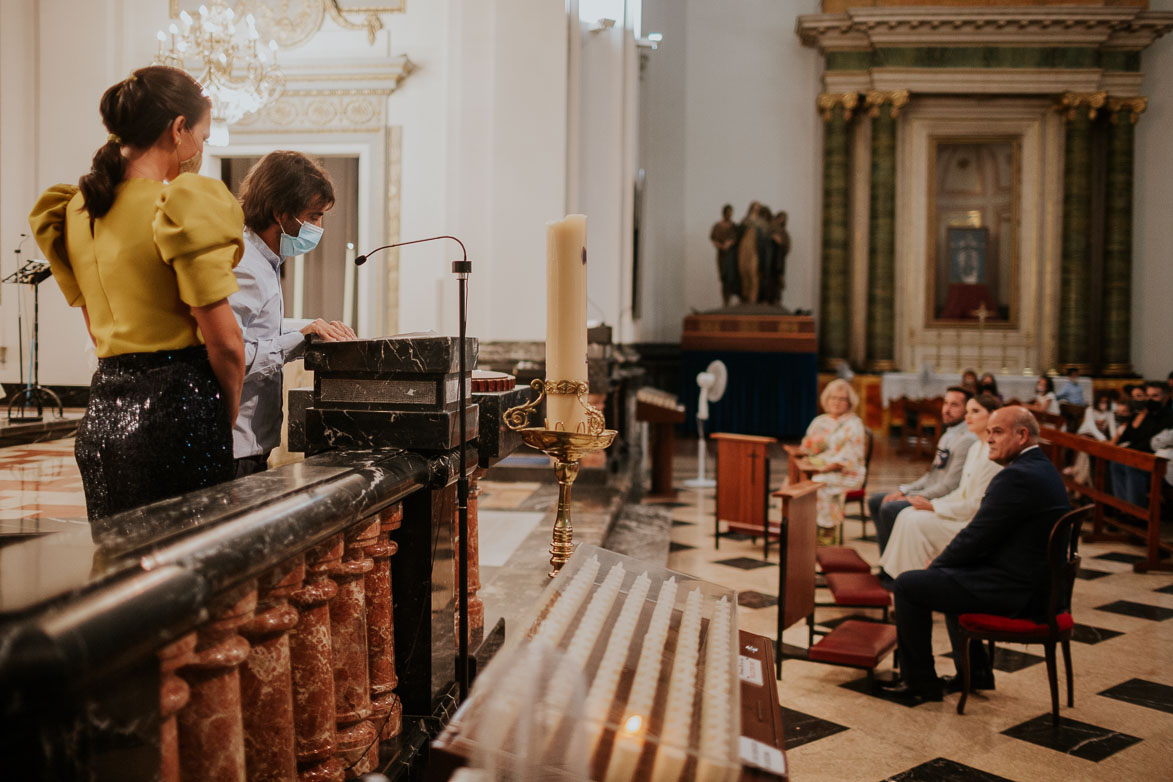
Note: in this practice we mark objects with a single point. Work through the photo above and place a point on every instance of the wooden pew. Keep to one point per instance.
(1056, 442)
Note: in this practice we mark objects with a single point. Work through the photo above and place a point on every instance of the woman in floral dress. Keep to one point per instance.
(833, 453)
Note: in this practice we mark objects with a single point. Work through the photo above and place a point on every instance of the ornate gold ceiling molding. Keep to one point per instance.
(293, 22)
(346, 98)
(866, 28)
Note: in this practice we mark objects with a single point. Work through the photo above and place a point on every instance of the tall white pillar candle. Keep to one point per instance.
(566, 307)
(348, 286)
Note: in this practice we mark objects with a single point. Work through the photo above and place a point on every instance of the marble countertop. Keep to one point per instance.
(225, 533)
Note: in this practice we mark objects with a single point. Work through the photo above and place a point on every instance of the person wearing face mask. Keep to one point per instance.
(284, 197)
(1149, 416)
(145, 248)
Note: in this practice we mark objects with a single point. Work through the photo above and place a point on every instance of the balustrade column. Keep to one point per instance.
(883, 108)
(357, 741)
(835, 277)
(266, 684)
(1117, 278)
(312, 660)
(1079, 109)
(211, 729)
(174, 694)
(476, 607)
(386, 710)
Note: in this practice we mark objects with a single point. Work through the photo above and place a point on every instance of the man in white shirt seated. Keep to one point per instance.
(943, 476)
(284, 197)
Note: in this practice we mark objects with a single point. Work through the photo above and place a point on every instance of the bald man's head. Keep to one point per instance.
(1011, 430)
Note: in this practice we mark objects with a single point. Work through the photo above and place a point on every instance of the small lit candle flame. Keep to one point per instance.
(633, 724)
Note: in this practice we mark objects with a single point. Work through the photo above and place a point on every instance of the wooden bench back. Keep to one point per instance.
(1056, 443)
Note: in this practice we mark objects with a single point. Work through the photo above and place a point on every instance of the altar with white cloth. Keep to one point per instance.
(918, 385)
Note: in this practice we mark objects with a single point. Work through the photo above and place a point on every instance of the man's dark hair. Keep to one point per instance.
(961, 390)
(1157, 384)
(1072, 370)
(283, 183)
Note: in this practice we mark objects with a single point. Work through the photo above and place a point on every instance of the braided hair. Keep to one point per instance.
(137, 111)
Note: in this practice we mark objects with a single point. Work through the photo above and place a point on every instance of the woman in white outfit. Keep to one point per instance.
(924, 530)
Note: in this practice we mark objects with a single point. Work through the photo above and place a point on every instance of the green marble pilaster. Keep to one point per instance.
(835, 278)
(881, 315)
(1116, 290)
(1075, 271)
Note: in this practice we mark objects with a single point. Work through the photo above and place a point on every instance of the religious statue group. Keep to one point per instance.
(751, 255)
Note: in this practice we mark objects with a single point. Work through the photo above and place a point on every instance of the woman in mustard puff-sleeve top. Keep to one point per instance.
(146, 249)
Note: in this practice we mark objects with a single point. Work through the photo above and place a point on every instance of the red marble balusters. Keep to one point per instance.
(476, 607)
(266, 685)
(173, 696)
(357, 740)
(312, 660)
(386, 710)
(211, 732)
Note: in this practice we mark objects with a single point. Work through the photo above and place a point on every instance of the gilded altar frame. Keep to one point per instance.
(1009, 250)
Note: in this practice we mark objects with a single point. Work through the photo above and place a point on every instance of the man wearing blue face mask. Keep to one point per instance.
(284, 197)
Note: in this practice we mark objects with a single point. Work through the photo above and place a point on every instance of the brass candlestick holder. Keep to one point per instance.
(567, 450)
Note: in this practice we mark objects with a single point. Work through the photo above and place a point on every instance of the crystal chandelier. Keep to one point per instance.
(237, 74)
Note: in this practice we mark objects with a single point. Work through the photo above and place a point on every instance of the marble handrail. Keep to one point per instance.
(181, 636)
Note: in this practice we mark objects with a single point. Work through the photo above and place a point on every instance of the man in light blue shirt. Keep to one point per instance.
(1071, 392)
(284, 197)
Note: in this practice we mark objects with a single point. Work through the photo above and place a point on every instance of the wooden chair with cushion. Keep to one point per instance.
(860, 495)
(1063, 563)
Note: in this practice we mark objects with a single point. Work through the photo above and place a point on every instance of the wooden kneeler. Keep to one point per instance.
(743, 485)
(853, 643)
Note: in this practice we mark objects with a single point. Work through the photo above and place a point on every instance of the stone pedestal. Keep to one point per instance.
(266, 683)
(211, 731)
(311, 659)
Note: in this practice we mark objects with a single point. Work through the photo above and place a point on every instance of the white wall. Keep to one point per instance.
(1152, 259)
(56, 59)
(483, 147)
(730, 117)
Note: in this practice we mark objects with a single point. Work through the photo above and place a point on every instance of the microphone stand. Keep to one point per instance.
(461, 269)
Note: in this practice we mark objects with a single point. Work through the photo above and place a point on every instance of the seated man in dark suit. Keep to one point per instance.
(997, 564)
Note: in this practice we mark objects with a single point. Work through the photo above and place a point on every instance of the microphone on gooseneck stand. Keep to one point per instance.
(461, 269)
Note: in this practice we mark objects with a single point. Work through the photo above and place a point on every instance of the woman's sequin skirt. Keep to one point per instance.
(156, 427)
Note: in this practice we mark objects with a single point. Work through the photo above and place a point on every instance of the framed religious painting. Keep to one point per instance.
(967, 254)
(973, 231)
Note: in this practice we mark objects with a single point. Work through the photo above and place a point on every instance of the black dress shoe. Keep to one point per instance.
(912, 694)
(977, 681)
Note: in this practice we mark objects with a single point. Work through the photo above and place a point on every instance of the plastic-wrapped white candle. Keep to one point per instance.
(559, 616)
(582, 643)
(602, 690)
(566, 306)
(629, 741)
(713, 749)
(681, 689)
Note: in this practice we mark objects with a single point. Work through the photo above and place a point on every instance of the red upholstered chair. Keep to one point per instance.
(1063, 563)
(860, 495)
